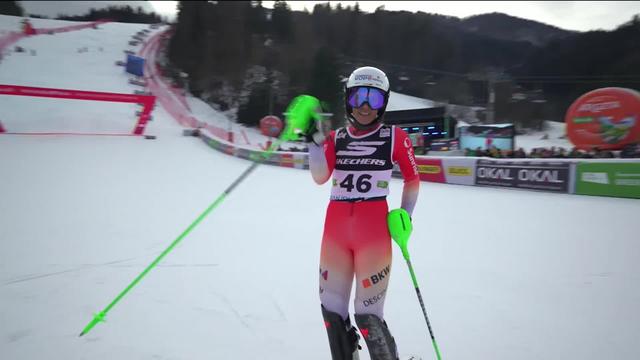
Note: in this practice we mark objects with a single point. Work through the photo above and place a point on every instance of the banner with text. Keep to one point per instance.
(430, 170)
(460, 171)
(546, 176)
(608, 179)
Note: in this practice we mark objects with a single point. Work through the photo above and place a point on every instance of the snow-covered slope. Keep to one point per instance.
(504, 274)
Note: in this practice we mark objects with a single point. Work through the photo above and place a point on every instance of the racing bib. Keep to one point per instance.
(363, 164)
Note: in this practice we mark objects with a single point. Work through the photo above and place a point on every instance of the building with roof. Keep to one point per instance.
(427, 122)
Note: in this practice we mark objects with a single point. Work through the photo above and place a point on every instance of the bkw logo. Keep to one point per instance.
(376, 278)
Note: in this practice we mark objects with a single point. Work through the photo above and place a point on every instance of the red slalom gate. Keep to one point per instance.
(147, 100)
(40, 31)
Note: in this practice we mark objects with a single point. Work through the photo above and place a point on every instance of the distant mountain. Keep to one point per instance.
(53, 9)
(505, 27)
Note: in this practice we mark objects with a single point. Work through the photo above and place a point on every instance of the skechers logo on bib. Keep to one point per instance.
(377, 162)
(360, 148)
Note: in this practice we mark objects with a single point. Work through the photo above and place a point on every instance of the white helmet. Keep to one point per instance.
(371, 77)
(368, 76)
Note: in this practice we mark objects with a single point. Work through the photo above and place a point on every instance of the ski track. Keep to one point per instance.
(82, 267)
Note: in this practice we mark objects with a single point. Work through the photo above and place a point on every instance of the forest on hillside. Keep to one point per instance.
(125, 14)
(241, 54)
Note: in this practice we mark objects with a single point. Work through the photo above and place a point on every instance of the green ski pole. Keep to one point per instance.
(300, 113)
(400, 228)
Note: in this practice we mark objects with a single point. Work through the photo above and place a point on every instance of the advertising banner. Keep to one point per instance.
(271, 125)
(430, 170)
(459, 171)
(547, 176)
(298, 161)
(70, 28)
(619, 179)
(607, 118)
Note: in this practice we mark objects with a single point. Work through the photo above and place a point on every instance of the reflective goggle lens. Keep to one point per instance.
(360, 95)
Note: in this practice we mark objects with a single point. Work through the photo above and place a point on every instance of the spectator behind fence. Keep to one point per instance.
(630, 151)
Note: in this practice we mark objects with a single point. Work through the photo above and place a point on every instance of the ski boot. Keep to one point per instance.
(343, 337)
(376, 334)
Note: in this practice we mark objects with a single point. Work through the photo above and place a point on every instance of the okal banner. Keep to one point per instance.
(546, 176)
(619, 179)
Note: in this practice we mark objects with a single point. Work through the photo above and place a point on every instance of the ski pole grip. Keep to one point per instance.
(300, 116)
(400, 228)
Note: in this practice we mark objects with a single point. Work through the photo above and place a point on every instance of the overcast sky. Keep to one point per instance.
(568, 15)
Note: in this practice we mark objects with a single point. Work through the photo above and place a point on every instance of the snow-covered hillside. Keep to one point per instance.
(504, 274)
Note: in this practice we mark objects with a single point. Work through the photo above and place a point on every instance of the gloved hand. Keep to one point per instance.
(318, 132)
(304, 121)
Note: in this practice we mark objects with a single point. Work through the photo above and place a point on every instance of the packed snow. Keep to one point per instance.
(505, 274)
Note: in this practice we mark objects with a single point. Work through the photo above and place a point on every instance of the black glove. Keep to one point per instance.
(318, 131)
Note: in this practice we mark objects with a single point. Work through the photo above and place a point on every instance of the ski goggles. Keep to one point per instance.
(357, 96)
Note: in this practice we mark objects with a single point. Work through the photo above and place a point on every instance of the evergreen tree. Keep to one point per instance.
(11, 8)
(326, 85)
(281, 19)
(257, 107)
(125, 14)
(217, 43)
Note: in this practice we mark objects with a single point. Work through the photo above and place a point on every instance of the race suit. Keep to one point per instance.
(356, 239)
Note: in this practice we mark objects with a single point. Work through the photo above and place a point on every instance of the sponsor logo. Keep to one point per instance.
(341, 135)
(373, 300)
(429, 169)
(367, 79)
(583, 120)
(377, 162)
(627, 175)
(382, 184)
(363, 77)
(628, 182)
(360, 148)
(385, 132)
(340, 197)
(495, 173)
(375, 278)
(407, 142)
(412, 160)
(597, 178)
(459, 171)
(599, 106)
(539, 175)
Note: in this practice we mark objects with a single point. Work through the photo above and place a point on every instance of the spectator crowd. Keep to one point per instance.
(629, 151)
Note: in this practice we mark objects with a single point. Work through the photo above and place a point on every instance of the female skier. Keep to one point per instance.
(356, 238)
